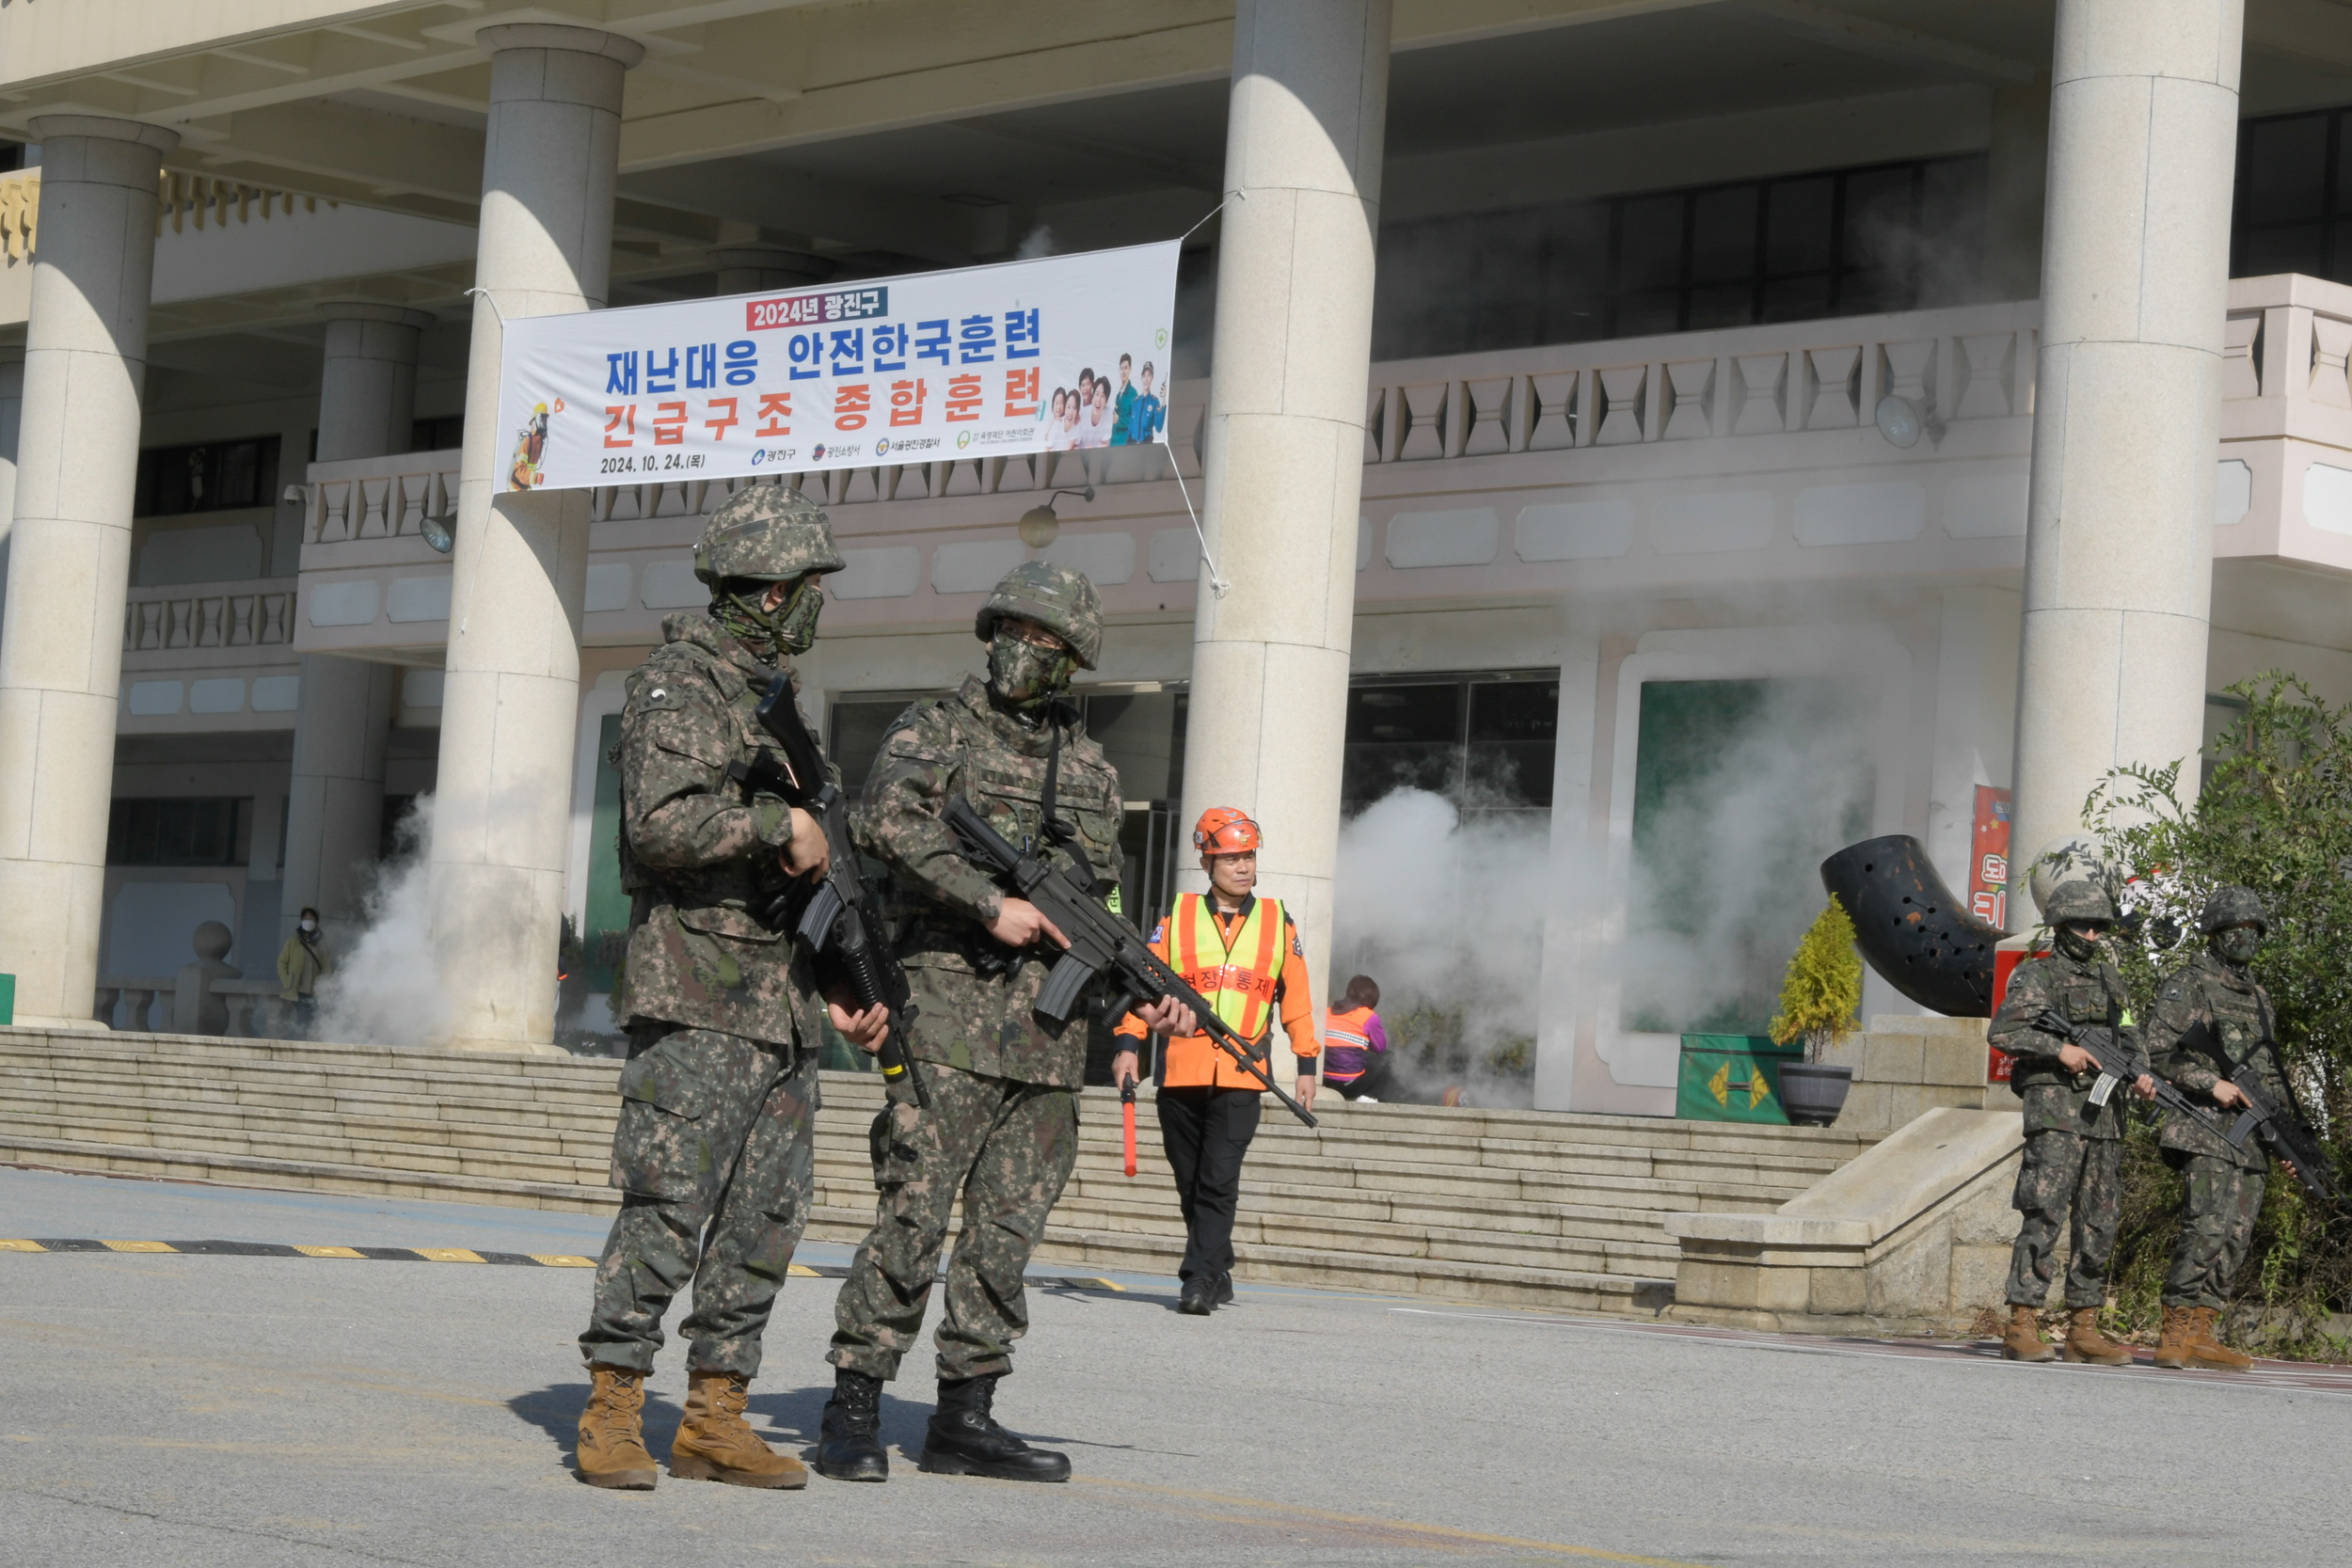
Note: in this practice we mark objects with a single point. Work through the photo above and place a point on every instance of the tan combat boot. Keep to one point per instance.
(2205, 1348)
(715, 1442)
(611, 1448)
(2084, 1342)
(2024, 1341)
(2172, 1345)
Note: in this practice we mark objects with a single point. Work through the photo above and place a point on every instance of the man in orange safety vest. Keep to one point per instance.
(1243, 955)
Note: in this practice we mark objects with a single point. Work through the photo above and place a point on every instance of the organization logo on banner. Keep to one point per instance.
(1061, 352)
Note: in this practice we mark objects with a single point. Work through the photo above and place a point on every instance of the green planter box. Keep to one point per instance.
(1732, 1078)
(7, 999)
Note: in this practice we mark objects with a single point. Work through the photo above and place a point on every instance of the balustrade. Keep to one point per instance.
(205, 617)
(184, 201)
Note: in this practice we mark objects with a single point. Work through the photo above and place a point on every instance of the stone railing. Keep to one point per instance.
(379, 498)
(139, 992)
(210, 615)
(184, 201)
(2289, 340)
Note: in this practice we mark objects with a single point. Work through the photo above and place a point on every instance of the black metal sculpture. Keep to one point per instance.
(1911, 927)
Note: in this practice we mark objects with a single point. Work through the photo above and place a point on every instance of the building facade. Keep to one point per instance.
(1674, 441)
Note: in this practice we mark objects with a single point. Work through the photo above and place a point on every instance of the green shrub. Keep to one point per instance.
(1822, 991)
(2275, 815)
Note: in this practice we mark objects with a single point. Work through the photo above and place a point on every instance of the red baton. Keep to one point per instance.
(1127, 1114)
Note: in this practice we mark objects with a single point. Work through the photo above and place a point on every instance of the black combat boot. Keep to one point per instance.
(849, 1440)
(1198, 1297)
(966, 1440)
(1224, 1290)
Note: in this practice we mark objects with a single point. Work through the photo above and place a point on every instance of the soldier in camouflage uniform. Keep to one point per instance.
(2074, 1149)
(1003, 1123)
(2212, 1021)
(722, 1010)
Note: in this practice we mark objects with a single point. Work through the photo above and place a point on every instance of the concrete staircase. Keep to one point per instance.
(1517, 1207)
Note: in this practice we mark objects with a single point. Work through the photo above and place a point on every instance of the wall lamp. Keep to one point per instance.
(1900, 421)
(1040, 525)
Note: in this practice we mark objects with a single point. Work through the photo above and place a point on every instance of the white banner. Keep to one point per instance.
(1061, 352)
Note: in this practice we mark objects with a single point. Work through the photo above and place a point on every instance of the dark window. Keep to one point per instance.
(1886, 237)
(11, 156)
(204, 830)
(2293, 210)
(218, 476)
(446, 434)
(1485, 742)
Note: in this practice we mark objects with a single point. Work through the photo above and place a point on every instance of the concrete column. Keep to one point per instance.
(335, 800)
(2127, 409)
(1284, 468)
(367, 381)
(70, 551)
(12, 407)
(503, 805)
(745, 269)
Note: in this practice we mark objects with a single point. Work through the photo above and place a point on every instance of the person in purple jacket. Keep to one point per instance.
(1355, 1045)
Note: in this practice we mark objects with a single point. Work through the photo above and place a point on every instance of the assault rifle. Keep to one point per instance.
(1101, 945)
(2282, 1132)
(838, 915)
(2117, 1065)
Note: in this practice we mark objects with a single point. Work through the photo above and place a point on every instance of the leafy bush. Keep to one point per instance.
(2275, 815)
(1821, 992)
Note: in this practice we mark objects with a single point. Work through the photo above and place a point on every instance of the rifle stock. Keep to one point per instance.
(840, 916)
(1100, 945)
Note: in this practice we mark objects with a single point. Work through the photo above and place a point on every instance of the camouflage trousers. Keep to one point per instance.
(1007, 1148)
(2065, 1170)
(2217, 1227)
(712, 1157)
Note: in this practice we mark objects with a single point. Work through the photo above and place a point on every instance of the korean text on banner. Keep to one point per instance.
(1043, 356)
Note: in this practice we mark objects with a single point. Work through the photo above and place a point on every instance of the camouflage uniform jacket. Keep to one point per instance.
(972, 994)
(2092, 994)
(699, 857)
(2209, 1020)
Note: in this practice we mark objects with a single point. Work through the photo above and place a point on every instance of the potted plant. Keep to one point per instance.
(1820, 996)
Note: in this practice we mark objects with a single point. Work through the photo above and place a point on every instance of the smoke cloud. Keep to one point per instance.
(383, 991)
(1746, 785)
(1036, 243)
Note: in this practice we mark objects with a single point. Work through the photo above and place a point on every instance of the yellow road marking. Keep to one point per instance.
(138, 1246)
(802, 1270)
(10, 1245)
(447, 1255)
(329, 1251)
(561, 1259)
(1368, 1521)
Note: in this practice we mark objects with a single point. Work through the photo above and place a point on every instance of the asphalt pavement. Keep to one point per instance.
(260, 1410)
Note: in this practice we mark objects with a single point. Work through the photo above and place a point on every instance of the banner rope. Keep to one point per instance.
(1218, 586)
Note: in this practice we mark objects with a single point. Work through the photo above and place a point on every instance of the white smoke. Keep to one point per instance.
(1446, 914)
(385, 991)
(1446, 908)
(1036, 243)
(1726, 872)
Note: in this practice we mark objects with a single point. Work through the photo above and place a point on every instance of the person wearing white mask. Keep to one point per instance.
(301, 964)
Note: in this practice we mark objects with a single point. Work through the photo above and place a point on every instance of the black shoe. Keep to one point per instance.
(1200, 1296)
(849, 1440)
(1224, 1289)
(966, 1440)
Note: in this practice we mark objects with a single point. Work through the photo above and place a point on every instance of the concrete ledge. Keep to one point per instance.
(1913, 1237)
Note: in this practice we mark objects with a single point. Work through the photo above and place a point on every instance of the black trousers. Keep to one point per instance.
(1205, 1133)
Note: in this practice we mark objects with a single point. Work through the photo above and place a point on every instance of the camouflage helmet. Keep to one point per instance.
(766, 533)
(2232, 906)
(1061, 600)
(2078, 900)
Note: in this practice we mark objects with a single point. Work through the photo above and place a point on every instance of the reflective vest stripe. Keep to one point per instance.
(1237, 980)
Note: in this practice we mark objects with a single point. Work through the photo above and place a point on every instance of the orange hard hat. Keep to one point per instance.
(1226, 831)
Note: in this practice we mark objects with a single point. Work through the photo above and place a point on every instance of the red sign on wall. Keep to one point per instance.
(1988, 898)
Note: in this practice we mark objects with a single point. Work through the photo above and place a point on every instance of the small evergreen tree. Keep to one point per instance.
(1823, 990)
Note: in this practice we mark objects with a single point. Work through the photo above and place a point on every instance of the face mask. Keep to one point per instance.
(2076, 942)
(309, 925)
(791, 626)
(2237, 945)
(1024, 674)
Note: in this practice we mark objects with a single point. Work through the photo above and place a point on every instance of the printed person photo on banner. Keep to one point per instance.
(1056, 429)
(1068, 437)
(1124, 404)
(1095, 429)
(1144, 421)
